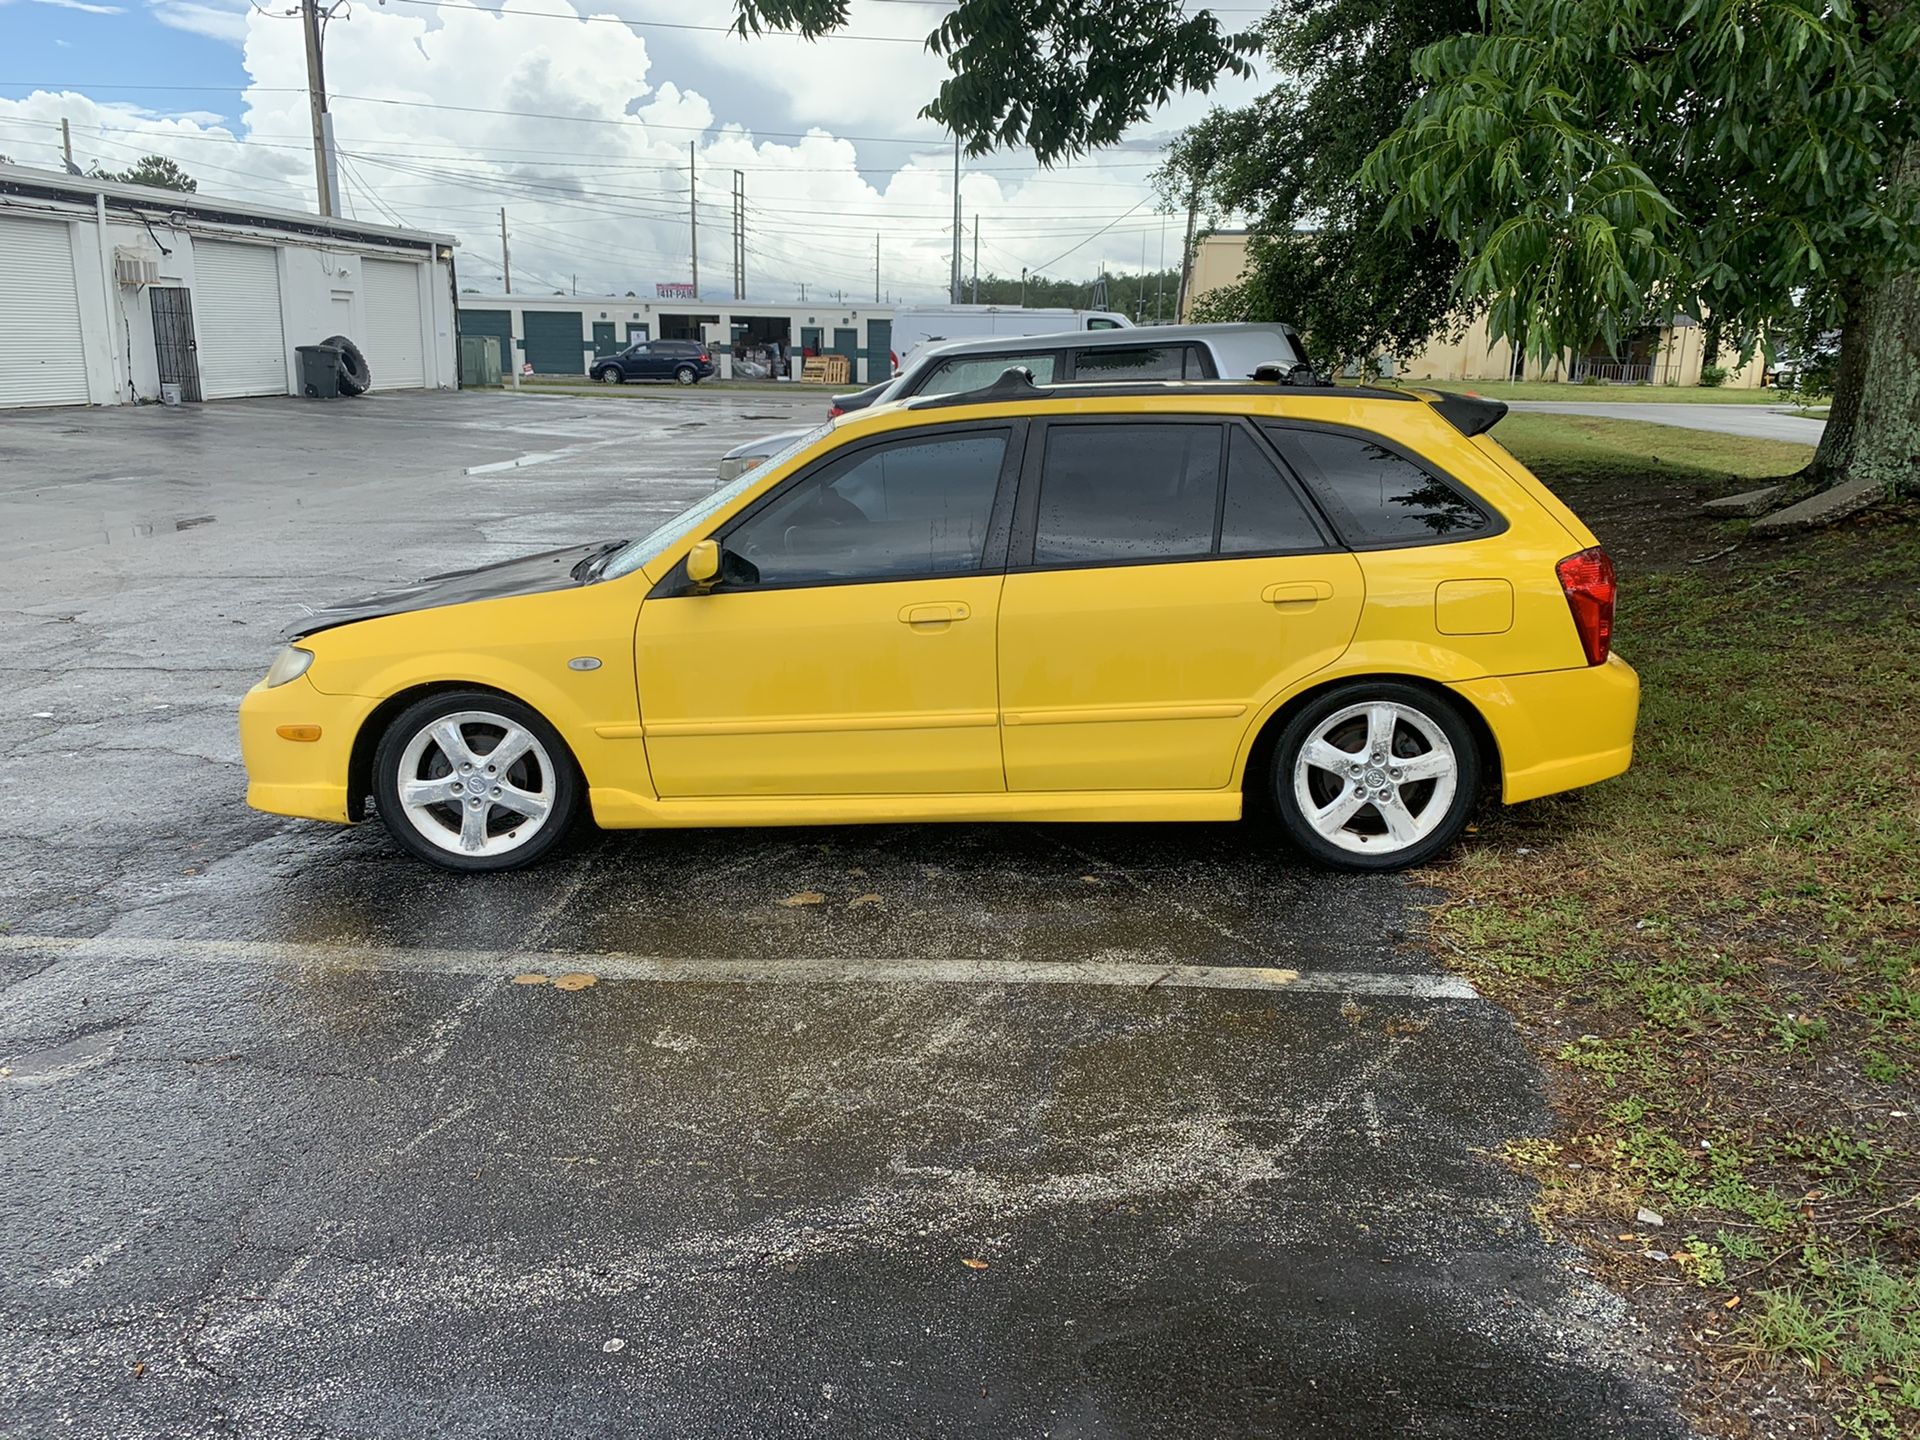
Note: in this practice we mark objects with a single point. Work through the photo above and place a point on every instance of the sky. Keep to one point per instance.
(577, 118)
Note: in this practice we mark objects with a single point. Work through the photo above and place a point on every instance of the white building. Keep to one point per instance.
(561, 334)
(107, 290)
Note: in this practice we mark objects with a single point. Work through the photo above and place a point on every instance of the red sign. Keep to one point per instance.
(674, 290)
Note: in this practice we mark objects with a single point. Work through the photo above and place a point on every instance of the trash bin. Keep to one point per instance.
(319, 371)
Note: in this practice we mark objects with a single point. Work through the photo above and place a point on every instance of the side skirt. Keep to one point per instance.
(624, 810)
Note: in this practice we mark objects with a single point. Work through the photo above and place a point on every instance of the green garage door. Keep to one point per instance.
(879, 351)
(497, 323)
(554, 346)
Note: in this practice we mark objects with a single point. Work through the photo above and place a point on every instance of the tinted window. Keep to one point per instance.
(1262, 513)
(1378, 497)
(1138, 362)
(976, 372)
(1127, 492)
(919, 507)
(1103, 325)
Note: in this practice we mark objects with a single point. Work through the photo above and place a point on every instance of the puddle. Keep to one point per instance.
(61, 1062)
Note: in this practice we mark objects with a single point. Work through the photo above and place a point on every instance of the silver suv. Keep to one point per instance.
(1155, 352)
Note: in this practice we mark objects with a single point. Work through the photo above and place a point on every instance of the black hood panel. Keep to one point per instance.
(529, 575)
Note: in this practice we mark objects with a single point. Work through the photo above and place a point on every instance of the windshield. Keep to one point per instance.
(649, 546)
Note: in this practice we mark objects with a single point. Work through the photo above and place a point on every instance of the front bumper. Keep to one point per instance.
(1559, 729)
(306, 778)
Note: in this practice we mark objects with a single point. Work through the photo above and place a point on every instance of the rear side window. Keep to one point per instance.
(1262, 515)
(1378, 497)
(976, 372)
(1127, 492)
(1138, 362)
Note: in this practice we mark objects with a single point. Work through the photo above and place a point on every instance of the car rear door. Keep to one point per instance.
(1166, 581)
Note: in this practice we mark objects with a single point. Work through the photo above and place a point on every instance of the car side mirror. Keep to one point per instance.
(703, 564)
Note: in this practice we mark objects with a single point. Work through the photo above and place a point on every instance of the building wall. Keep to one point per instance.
(319, 276)
(1221, 258)
(718, 320)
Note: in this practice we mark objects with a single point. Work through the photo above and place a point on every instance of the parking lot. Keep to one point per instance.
(1011, 1131)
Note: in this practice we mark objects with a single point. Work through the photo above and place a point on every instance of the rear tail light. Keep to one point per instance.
(834, 411)
(1588, 580)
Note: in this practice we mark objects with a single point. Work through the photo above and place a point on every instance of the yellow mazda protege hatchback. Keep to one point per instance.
(1094, 602)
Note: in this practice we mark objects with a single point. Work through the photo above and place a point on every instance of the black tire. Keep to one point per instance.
(355, 378)
(686, 375)
(610, 375)
(1421, 721)
(545, 769)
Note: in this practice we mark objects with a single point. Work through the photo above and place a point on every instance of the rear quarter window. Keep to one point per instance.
(1377, 497)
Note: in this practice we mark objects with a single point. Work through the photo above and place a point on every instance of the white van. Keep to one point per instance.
(938, 324)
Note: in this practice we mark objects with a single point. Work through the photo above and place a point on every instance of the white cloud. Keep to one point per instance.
(82, 6)
(592, 168)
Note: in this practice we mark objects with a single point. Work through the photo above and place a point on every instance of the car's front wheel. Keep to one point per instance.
(687, 375)
(475, 781)
(609, 375)
(1375, 775)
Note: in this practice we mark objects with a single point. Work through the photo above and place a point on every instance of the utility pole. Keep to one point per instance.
(325, 173)
(506, 261)
(693, 211)
(876, 267)
(739, 235)
(1186, 257)
(956, 218)
(1160, 275)
(1023, 287)
(976, 257)
(66, 146)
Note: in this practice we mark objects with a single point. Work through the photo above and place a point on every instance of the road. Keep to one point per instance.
(1759, 422)
(997, 1131)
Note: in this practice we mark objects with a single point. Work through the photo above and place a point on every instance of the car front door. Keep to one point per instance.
(849, 648)
(1166, 581)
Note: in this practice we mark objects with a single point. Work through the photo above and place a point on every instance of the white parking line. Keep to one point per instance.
(620, 966)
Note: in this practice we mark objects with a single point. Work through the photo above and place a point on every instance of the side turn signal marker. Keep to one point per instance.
(298, 732)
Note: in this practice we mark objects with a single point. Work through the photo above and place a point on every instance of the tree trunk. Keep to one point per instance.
(1873, 427)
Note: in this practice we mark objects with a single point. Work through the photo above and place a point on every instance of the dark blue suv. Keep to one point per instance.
(686, 362)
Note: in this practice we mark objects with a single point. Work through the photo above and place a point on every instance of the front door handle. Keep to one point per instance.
(933, 614)
(1298, 592)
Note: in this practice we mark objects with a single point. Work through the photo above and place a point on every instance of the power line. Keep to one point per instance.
(656, 24)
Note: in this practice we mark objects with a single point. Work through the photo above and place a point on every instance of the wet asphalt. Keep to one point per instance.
(996, 1131)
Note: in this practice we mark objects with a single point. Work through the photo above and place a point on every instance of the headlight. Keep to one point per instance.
(734, 466)
(290, 664)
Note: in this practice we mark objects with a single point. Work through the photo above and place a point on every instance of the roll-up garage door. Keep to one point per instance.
(236, 318)
(396, 355)
(41, 359)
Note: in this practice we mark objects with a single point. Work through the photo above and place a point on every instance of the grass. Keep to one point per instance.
(1591, 448)
(1637, 394)
(1717, 955)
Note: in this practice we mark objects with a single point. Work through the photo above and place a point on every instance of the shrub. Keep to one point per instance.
(1713, 376)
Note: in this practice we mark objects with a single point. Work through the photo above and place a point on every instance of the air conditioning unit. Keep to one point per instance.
(135, 269)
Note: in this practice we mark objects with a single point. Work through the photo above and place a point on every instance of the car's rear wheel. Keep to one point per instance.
(475, 781)
(609, 375)
(1376, 775)
(686, 375)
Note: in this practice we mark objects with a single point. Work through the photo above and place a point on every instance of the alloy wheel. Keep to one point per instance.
(1376, 778)
(474, 783)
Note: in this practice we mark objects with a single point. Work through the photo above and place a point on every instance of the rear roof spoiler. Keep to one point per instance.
(1470, 414)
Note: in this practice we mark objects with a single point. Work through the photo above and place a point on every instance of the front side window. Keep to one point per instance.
(1138, 362)
(915, 507)
(1378, 497)
(1098, 324)
(1127, 492)
(976, 372)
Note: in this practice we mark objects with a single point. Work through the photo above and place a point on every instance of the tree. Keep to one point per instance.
(1057, 76)
(156, 170)
(1317, 254)
(1752, 161)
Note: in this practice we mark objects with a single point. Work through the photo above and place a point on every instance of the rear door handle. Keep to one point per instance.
(933, 614)
(1297, 592)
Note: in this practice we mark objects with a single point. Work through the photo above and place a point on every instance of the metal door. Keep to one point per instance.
(879, 350)
(173, 341)
(847, 342)
(603, 339)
